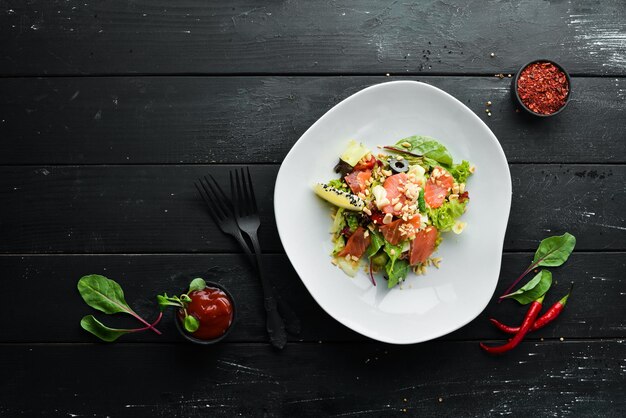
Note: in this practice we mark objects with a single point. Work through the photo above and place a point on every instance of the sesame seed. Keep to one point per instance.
(489, 103)
(406, 145)
(355, 258)
(387, 219)
(397, 207)
(493, 54)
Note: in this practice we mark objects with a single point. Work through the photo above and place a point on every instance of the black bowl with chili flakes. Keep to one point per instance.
(542, 88)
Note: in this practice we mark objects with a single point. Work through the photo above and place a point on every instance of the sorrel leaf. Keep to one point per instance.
(428, 147)
(534, 289)
(103, 294)
(97, 328)
(554, 251)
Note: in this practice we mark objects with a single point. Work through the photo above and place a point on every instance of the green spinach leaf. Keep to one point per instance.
(396, 272)
(534, 289)
(91, 324)
(554, 251)
(103, 294)
(428, 147)
(376, 243)
(393, 251)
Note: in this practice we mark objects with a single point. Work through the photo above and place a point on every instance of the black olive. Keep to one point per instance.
(398, 166)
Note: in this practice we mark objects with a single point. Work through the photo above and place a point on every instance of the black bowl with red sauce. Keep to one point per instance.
(546, 92)
(214, 307)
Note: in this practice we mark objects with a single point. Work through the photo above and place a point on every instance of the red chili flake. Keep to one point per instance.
(543, 87)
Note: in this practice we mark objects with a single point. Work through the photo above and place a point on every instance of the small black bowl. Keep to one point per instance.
(521, 103)
(195, 340)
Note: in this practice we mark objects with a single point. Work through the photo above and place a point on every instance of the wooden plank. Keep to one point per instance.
(147, 209)
(598, 277)
(245, 36)
(582, 378)
(129, 120)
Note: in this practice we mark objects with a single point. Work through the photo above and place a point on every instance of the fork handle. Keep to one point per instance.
(274, 324)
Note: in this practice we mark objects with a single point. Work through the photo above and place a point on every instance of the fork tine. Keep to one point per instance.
(253, 198)
(216, 203)
(212, 212)
(233, 195)
(241, 196)
(224, 199)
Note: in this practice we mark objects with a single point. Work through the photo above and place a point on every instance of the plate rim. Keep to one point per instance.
(348, 323)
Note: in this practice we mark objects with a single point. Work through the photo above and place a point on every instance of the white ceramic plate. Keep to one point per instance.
(428, 306)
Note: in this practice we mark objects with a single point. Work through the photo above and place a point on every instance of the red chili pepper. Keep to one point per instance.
(528, 322)
(545, 319)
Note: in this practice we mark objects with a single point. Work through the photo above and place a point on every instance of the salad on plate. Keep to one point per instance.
(390, 209)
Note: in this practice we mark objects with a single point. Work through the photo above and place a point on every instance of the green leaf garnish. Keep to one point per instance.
(534, 289)
(91, 324)
(396, 272)
(554, 251)
(427, 147)
(103, 294)
(191, 323)
(196, 284)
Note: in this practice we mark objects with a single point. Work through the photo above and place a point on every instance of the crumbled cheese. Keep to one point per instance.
(458, 227)
(380, 195)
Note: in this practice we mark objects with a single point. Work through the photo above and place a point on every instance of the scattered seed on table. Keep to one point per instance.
(493, 54)
(562, 339)
(489, 103)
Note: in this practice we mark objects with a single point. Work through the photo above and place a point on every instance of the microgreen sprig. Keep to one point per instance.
(190, 322)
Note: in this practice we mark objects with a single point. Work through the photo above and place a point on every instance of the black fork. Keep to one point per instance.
(247, 216)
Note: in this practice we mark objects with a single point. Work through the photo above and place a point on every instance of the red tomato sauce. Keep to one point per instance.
(213, 309)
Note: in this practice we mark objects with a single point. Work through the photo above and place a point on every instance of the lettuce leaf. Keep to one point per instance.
(393, 251)
(352, 220)
(461, 172)
(339, 184)
(376, 243)
(443, 218)
(428, 147)
(339, 223)
(396, 272)
(340, 244)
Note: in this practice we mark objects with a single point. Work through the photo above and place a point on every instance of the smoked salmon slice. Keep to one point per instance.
(392, 186)
(423, 245)
(357, 180)
(437, 187)
(357, 244)
(393, 231)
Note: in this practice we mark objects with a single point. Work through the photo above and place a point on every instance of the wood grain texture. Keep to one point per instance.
(170, 120)
(578, 378)
(595, 309)
(245, 36)
(143, 209)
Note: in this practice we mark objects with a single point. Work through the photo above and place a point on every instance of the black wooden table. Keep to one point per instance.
(109, 110)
